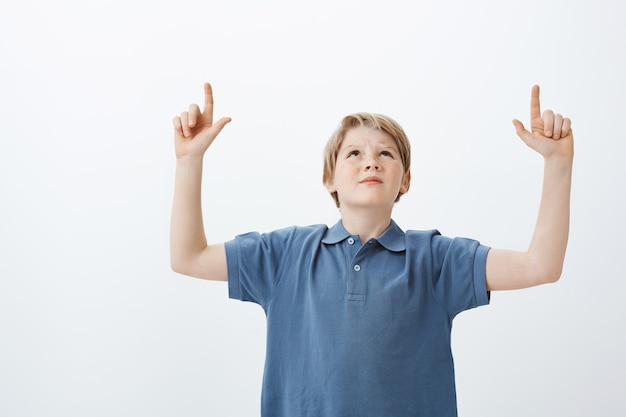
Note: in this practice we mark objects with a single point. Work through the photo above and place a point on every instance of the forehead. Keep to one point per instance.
(362, 135)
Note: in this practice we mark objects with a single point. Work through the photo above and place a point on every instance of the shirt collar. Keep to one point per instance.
(335, 234)
(392, 238)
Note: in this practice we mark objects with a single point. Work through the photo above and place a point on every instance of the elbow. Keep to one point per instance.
(544, 268)
(555, 277)
(550, 279)
(175, 267)
(178, 266)
(548, 275)
(181, 261)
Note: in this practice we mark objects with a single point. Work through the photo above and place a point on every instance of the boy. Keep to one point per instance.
(359, 315)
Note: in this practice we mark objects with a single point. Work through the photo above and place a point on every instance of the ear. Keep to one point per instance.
(329, 186)
(328, 181)
(406, 182)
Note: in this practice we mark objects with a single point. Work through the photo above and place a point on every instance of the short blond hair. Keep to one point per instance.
(372, 121)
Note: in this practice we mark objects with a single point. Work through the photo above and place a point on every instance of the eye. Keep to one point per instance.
(353, 153)
(386, 153)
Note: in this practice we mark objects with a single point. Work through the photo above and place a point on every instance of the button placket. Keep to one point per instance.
(357, 281)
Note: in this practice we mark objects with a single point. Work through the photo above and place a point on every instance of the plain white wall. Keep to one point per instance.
(92, 320)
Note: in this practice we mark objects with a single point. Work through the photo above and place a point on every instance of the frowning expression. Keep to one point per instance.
(368, 171)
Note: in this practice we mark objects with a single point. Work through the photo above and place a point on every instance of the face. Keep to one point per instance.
(368, 171)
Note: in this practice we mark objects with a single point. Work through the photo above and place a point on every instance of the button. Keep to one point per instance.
(350, 241)
(357, 268)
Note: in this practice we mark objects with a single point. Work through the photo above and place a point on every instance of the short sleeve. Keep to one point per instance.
(257, 262)
(459, 278)
(252, 261)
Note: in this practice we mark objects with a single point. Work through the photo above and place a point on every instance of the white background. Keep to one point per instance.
(92, 320)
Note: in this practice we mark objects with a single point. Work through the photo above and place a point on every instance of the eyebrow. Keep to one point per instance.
(378, 145)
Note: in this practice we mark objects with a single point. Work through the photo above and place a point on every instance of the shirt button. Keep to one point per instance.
(351, 241)
(357, 268)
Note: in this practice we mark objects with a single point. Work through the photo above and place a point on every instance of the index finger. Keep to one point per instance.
(208, 103)
(535, 107)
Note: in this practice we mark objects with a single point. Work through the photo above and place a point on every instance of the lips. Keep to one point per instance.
(371, 180)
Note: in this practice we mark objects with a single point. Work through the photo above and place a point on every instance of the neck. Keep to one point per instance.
(367, 224)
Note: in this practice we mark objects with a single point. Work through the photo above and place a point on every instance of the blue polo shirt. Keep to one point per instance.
(357, 329)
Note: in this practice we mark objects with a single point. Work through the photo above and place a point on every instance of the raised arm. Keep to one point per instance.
(194, 131)
(551, 136)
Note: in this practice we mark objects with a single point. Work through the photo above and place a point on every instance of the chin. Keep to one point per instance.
(370, 204)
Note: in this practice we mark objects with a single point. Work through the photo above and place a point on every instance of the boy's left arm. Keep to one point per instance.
(551, 135)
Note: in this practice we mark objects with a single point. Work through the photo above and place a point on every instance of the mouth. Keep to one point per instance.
(371, 180)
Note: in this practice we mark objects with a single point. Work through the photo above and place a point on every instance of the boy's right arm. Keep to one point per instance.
(194, 131)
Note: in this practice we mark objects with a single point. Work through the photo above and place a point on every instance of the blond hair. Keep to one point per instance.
(372, 121)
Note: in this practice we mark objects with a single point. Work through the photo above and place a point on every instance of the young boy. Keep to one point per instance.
(359, 315)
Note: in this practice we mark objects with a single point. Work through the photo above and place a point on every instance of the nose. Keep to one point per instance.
(372, 164)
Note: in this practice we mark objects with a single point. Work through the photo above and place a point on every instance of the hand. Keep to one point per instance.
(550, 134)
(194, 131)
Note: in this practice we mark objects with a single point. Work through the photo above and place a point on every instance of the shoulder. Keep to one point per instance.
(436, 239)
(284, 236)
(298, 231)
(440, 246)
(423, 238)
(422, 234)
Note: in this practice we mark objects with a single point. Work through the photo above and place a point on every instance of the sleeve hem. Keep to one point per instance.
(480, 275)
(232, 262)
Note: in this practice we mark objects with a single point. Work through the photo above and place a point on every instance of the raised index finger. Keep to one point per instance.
(208, 103)
(535, 107)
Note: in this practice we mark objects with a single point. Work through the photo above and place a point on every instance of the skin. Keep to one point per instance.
(366, 206)
(551, 136)
(368, 177)
(194, 131)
